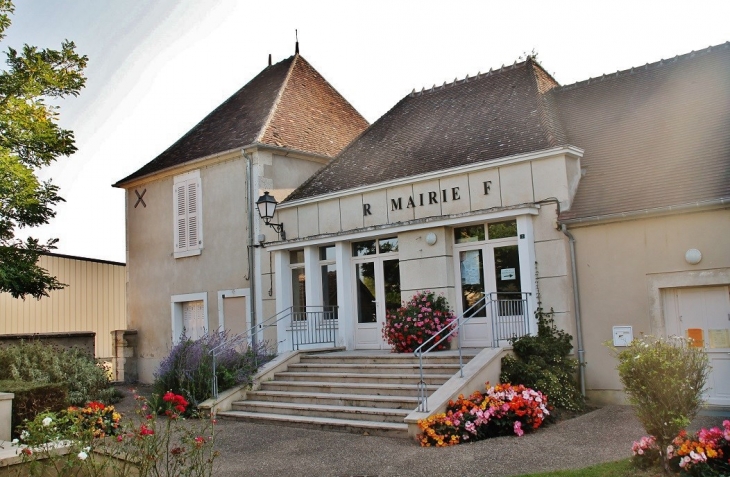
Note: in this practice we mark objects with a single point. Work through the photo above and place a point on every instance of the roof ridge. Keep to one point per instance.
(550, 123)
(467, 78)
(656, 64)
(277, 101)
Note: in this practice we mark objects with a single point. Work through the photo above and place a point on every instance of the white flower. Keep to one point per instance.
(83, 455)
(24, 435)
(47, 421)
(14, 442)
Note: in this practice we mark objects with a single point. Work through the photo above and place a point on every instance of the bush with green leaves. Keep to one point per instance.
(664, 380)
(188, 369)
(34, 361)
(543, 362)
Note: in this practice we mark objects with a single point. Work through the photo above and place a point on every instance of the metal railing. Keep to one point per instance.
(509, 319)
(308, 325)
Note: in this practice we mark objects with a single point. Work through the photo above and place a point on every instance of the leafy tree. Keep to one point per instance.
(30, 139)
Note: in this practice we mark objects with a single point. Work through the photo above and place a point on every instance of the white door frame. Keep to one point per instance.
(380, 311)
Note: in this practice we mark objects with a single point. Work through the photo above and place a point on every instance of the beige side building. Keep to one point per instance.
(194, 237)
(94, 300)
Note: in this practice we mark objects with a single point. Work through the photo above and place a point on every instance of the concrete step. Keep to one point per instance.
(351, 388)
(387, 368)
(393, 358)
(390, 429)
(362, 377)
(408, 403)
(323, 410)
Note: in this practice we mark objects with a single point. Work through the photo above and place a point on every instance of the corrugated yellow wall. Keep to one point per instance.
(94, 300)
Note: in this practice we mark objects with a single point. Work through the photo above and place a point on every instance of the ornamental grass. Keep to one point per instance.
(503, 410)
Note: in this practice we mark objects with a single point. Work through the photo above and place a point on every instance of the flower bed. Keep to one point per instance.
(503, 410)
(706, 454)
(94, 441)
(416, 321)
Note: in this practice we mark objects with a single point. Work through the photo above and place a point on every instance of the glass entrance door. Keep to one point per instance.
(377, 290)
(488, 262)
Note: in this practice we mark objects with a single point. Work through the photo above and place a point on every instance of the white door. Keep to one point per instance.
(704, 312)
(194, 319)
(377, 292)
(486, 269)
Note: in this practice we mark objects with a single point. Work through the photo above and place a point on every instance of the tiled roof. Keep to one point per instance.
(477, 119)
(287, 105)
(654, 136)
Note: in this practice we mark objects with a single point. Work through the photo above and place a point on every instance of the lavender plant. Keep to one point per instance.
(188, 369)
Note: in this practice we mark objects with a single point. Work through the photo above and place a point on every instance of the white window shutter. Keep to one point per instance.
(195, 236)
(181, 222)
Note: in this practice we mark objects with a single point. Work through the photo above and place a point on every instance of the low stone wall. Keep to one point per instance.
(6, 414)
(124, 361)
(83, 340)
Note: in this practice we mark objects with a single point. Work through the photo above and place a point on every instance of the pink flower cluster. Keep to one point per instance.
(415, 322)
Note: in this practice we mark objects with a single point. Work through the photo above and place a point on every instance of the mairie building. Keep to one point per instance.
(605, 201)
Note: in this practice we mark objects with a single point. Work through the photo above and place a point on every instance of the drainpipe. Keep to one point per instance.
(576, 304)
(250, 248)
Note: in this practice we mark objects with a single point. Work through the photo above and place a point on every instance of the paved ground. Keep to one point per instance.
(273, 450)
(267, 450)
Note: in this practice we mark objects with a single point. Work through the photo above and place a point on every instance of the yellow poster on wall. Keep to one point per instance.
(696, 338)
(719, 338)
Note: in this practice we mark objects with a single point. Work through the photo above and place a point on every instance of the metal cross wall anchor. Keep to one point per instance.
(139, 198)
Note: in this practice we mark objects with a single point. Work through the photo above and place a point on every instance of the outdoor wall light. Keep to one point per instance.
(693, 256)
(431, 238)
(267, 206)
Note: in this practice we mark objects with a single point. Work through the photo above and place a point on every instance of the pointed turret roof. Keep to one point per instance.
(288, 105)
(502, 113)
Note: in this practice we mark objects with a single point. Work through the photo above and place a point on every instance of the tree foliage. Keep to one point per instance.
(30, 138)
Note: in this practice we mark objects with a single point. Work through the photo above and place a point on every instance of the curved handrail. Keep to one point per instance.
(455, 327)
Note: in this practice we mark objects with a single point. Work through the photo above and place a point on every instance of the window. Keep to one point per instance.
(329, 278)
(495, 230)
(189, 316)
(298, 284)
(373, 247)
(188, 227)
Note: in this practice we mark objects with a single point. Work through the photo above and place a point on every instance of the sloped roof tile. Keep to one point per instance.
(469, 121)
(654, 136)
(287, 105)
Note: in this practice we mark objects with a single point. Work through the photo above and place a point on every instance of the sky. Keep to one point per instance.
(157, 67)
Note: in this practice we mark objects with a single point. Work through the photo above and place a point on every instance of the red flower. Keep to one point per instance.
(145, 431)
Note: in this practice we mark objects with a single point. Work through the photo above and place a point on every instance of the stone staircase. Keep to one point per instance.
(346, 391)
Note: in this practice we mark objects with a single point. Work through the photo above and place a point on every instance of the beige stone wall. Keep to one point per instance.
(622, 267)
(155, 275)
(510, 184)
(427, 267)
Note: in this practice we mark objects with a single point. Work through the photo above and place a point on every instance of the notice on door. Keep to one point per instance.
(470, 268)
(508, 274)
(719, 338)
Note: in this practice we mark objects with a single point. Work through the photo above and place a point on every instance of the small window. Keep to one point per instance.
(296, 256)
(388, 245)
(327, 253)
(500, 230)
(360, 249)
(471, 233)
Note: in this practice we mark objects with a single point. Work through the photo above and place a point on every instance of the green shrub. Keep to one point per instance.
(32, 399)
(543, 362)
(36, 362)
(664, 381)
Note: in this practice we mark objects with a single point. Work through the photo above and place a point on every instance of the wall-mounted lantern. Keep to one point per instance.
(267, 206)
